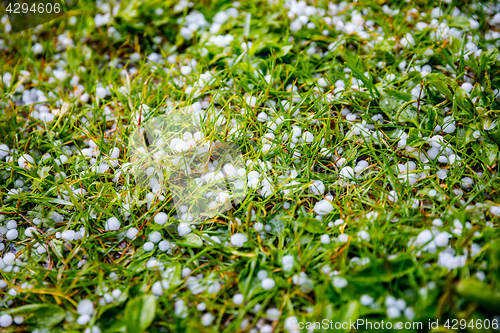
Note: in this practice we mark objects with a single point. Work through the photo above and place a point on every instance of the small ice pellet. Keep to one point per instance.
(161, 218)
(366, 300)
(268, 284)
(149, 246)
(132, 232)
(238, 299)
(154, 237)
(343, 238)
(325, 239)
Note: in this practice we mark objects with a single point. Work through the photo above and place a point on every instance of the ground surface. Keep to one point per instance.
(370, 131)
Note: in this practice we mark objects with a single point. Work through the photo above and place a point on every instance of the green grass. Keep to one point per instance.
(48, 287)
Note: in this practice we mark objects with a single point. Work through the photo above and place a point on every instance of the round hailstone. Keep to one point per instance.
(149, 246)
(323, 207)
(339, 282)
(288, 261)
(25, 161)
(132, 232)
(325, 239)
(5, 320)
(101, 92)
(268, 284)
(183, 229)
(317, 187)
(12, 234)
(258, 226)
(68, 235)
(343, 238)
(18, 320)
(29, 232)
(347, 172)
(238, 239)
(157, 289)
(266, 329)
(213, 288)
(82, 320)
(186, 70)
(393, 312)
(262, 274)
(207, 319)
(85, 307)
(202, 306)
(112, 224)
(495, 210)
(164, 245)
(161, 218)
(238, 299)
(154, 237)
(366, 300)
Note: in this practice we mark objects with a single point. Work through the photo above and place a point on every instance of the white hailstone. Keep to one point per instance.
(495, 210)
(85, 307)
(393, 312)
(29, 232)
(339, 282)
(68, 235)
(183, 229)
(322, 82)
(323, 207)
(207, 319)
(238, 299)
(480, 275)
(268, 284)
(401, 304)
(12, 234)
(202, 306)
(148, 246)
(101, 92)
(266, 329)
(347, 172)
(46, 117)
(467, 86)
(258, 226)
(213, 288)
(5, 320)
(154, 237)
(238, 239)
(288, 261)
(185, 70)
(18, 320)
(161, 218)
(25, 161)
(157, 289)
(12, 224)
(409, 314)
(364, 235)
(325, 239)
(390, 301)
(442, 239)
(185, 272)
(37, 48)
(112, 224)
(83, 319)
(262, 274)
(132, 232)
(317, 187)
(308, 137)
(366, 300)
(164, 245)
(344, 238)
(85, 97)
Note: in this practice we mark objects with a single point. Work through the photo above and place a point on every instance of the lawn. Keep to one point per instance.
(363, 185)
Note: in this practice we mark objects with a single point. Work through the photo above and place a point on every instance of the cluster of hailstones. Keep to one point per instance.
(197, 171)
